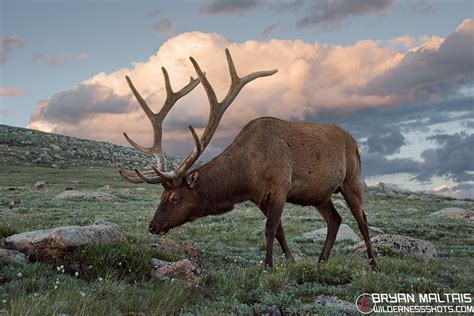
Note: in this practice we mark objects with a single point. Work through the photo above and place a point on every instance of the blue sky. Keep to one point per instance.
(50, 47)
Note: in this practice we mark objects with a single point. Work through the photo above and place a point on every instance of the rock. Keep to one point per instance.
(344, 233)
(55, 147)
(182, 269)
(105, 187)
(8, 256)
(377, 229)
(39, 185)
(184, 250)
(52, 244)
(389, 244)
(87, 195)
(332, 303)
(340, 204)
(453, 213)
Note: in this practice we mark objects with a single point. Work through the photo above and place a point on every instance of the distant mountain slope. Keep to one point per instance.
(21, 146)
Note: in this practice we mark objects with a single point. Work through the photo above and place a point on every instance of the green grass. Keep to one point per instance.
(114, 279)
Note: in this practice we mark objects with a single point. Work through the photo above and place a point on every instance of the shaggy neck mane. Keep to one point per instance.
(221, 184)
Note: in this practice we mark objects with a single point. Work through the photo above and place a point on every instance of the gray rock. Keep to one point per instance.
(377, 229)
(39, 185)
(344, 233)
(453, 213)
(87, 195)
(332, 303)
(52, 244)
(183, 269)
(8, 256)
(402, 245)
(340, 204)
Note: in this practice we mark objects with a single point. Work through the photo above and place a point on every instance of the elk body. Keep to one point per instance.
(270, 162)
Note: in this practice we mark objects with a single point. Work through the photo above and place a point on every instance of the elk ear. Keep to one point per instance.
(192, 179)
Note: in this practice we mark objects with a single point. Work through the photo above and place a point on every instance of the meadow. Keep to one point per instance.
(234, 280)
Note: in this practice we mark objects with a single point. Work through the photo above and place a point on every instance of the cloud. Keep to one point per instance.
(431, 72)
(7, 44)
(51, 60)
(453, 158)
(229, 7)
(267, 31)
(315, 82)
(377, 164)
(387, 144)
(463, 190)
(163, 27)
(82, 102)
(330, 14)
(9, 92)
(288, 5)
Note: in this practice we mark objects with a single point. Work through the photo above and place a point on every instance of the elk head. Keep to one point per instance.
(180, 201)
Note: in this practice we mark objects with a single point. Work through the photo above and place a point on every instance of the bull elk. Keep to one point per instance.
(270, 162)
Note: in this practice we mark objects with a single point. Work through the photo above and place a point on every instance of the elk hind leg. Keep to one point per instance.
(333, 221)
(353, 195)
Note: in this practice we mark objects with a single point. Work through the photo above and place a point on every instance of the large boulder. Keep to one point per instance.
(52, 244)
(453, 213)
(344, 233)
(8, 256)
(87, 195)
(182, 269)
(389, 244)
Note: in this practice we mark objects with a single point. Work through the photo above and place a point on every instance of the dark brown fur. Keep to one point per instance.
(271, 162)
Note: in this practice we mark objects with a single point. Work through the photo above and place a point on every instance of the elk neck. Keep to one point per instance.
(222, 184)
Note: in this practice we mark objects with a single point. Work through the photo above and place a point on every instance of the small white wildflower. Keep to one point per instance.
(120, 263)
(76, 274)
(83, 294)
(4, 301)
(172, 280)
(35, 294)
(55, 286)
(260, 262)
(62, 271)
(58, 269)
(100, 279)
(62, 267)
(57, 281)
(19, 275)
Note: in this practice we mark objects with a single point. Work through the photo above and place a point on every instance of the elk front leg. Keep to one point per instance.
(274, 211)
(280, 236)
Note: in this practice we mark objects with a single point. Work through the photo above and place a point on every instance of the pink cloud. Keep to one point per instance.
(10, 92)
(312, 78)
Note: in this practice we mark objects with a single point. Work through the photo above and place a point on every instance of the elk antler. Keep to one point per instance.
(217, 109)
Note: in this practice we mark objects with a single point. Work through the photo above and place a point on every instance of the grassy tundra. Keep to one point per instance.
(117, 280)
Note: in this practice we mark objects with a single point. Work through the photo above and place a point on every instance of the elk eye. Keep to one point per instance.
(174, 199)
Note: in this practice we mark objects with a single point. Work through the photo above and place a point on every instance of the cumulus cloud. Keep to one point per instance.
(229, 7)
(51, 60)
(9, 92)
(7, 44)
(313, 82)
(330, 14)
(430, 71)
(287, 5)
(377, 164)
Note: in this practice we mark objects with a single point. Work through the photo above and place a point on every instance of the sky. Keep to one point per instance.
(398, 75)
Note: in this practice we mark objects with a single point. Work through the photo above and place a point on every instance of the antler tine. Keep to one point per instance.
(156, 122)
(217, 109)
